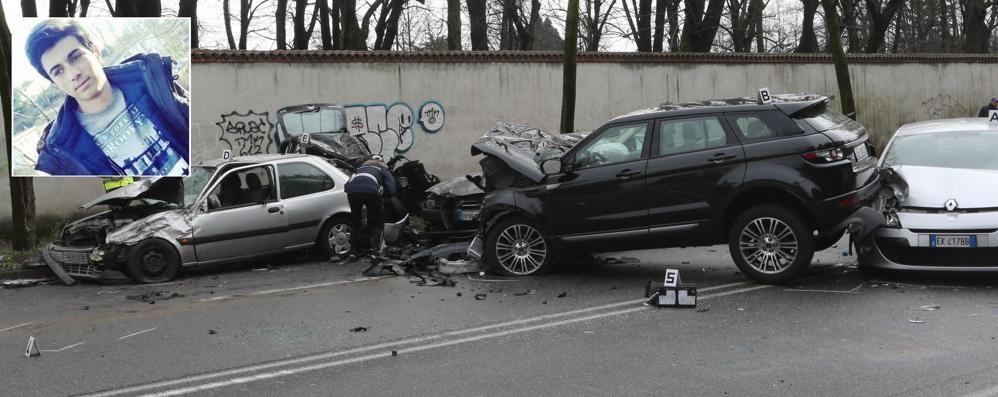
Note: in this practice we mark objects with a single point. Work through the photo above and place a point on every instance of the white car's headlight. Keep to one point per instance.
(893, 220)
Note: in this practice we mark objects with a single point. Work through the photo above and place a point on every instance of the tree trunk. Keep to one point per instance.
(300, 39)
(22, 192)
(760, 36)
(59, 8)
(353, 37)
(644, 25)
(244, 22)
(392, 27)
(839, 58)
(29, 9)
(327, 37)
(148, 8)
(880, 22)
(808, 40)
(659, 26)
(337, 31)
(478, 25)
(227, 16)
(189, 9)
(454, 25)
(672, 11)
(281, 18)
(568, 71)
(851, 25)
(975, 30)
(84, 6)
(701, 26)
(529, 40)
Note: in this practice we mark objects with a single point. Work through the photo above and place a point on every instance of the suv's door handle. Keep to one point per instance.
(627, 174)
(273, 209)
(721, 157)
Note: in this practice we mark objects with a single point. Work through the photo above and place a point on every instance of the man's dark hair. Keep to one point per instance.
(45, 34)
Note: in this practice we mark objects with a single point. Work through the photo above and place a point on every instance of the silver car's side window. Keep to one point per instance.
(248, 186)
(299, 179)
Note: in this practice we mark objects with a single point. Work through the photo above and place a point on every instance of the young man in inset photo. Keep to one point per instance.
(126, 119)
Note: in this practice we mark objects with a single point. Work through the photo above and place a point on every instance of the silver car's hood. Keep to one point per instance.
(931, 187)
(169, 189)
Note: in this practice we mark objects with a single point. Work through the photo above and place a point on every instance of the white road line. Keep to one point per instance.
(140, 332)
(16, 326)
(989, 392)
(274, 291)
(386, 346)
(822, 290)
(67, 347)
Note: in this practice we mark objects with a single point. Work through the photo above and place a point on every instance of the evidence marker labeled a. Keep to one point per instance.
(32, 349)
(671, 293)
(993, 119)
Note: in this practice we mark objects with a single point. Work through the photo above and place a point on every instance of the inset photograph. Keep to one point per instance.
(101, 97)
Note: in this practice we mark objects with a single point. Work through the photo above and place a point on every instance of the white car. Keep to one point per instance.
(942, 211)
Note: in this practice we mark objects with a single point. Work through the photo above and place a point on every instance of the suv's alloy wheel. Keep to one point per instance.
(770, 244)
(516, 248)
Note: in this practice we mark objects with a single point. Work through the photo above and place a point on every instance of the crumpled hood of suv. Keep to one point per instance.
(930, 187)
(523, 148)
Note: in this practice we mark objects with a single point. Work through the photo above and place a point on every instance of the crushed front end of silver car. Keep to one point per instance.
(95, 247)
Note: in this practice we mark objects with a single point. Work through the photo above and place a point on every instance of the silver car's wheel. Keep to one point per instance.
(768, 245)
(335, 237)
(517, 248)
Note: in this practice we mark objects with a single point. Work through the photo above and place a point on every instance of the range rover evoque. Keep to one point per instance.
(775, 181)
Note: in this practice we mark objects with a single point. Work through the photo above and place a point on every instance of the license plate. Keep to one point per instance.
(860, 153)
(79, 258)
(466, 215)
(952, 241)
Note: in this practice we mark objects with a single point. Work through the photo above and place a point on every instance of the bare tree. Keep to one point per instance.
(975, 27)
(477, 23)
(743, 15)
(324, 31)
(640, 23)
(22, 190)
(880, 19)
(302, 33)
(189, 9)
(281, 20)
(568, 70)
(700, 25)
(29, 9)
(839, 58)
(227, 17)
(453, 24)
(808, 40)
(592, 24)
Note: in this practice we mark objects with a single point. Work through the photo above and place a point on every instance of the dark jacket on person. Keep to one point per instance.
(371, 179)
(985, 110)
(145, 80)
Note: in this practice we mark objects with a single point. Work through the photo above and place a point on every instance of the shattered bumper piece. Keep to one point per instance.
(70, 264)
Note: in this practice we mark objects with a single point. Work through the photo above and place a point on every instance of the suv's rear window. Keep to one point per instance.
(822, 118)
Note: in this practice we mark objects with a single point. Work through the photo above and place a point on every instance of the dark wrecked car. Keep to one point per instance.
(775, 181)
(320, 129)
(456, 204)
(224, 211)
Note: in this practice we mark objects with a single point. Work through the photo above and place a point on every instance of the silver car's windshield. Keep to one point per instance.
(965, 149)
(194, 183)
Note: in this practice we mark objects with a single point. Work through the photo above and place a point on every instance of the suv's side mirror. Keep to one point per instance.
(551, 166)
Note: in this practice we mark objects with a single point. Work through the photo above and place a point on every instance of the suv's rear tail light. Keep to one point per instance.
(825, 156)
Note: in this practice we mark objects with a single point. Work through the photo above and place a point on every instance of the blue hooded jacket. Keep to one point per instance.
(145, 80)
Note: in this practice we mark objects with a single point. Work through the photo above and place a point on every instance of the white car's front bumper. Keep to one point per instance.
(911, 247)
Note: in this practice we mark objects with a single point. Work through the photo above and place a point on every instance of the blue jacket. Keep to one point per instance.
(146, 80)
(370, 179)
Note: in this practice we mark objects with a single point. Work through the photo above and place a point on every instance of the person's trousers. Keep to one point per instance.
(375, 219)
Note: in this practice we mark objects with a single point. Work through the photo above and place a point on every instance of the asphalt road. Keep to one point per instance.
(294, 328)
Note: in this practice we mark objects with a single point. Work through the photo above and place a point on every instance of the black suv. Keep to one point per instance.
(776, 181)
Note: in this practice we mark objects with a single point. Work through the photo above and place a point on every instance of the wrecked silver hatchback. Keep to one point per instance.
(225, 211)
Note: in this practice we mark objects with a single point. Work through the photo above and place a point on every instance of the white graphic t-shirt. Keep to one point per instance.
(131, 141)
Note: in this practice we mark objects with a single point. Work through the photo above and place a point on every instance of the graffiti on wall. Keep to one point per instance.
(246, 134)
(942, 106)
(388, 130)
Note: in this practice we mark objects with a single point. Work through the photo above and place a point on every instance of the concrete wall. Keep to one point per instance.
(235, 97)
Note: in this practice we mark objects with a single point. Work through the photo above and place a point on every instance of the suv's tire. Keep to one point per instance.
(770, 244)
(515, 247)
(334, 238)
(152, 261)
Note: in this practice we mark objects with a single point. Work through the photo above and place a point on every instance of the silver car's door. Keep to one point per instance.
(309, 193)
(243, 216)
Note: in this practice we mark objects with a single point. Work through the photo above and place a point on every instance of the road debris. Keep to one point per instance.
(703, 310)
(24, 282)
(212, 332)
(527, 292)
(480, 297)
(110, 291)
(929, 308)
(623, 259)
(358, 329)
(152, 296)
(915, 321)
(563, 294)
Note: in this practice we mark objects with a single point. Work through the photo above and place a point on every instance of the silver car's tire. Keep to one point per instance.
(770, 244)
(152, 261)
(334, 239)
(515, 247)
